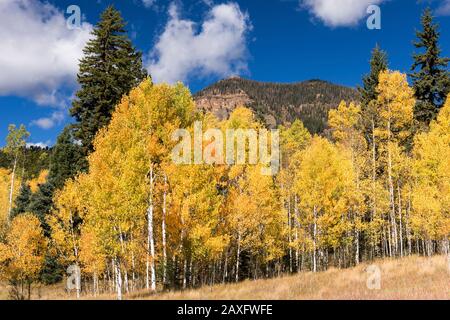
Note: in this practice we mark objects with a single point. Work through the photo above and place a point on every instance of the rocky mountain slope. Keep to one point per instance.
(276, 103)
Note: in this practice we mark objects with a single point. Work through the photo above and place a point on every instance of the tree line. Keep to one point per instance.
(115, 205)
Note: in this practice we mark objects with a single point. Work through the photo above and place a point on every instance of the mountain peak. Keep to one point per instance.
(276, 103)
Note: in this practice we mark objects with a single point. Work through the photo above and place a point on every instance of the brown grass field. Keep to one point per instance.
(401, 279)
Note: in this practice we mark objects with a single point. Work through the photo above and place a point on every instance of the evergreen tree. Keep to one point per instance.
(22, 201)
(378, 63)
(111, 67)
(431, 82)
(41, 204)
(66, 159)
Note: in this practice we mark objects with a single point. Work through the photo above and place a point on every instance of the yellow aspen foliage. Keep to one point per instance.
(22, 255)
(66, 220)
(92, 259)
(293, 139)
(431, 170)
(5, 185)
(395, 106)
(196, 204)
(138, 219)
(345, 123)
(41, 179)
(121, 209)
(325, 181)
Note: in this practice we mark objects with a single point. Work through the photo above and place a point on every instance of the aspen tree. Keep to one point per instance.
(124, 170)
(345, 124)
(293, 140)
(395, 106)
(431, 215)
(15, 142)
(325, 179)
(22, 255)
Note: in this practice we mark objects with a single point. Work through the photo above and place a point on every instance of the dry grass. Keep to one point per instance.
(401, 279)
(404, 279)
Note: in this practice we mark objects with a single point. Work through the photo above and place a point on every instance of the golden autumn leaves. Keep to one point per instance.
(137, 220)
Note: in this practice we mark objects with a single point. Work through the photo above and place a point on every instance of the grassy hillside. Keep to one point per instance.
(407, 278)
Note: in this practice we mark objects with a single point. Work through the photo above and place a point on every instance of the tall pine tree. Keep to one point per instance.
(110, 68)
(22, 201)
(431, 81)
(378, 63)
(66, 159)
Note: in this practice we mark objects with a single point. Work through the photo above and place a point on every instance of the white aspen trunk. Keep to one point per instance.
(408, 228)
(122, 245)
(185, 273)
(374, 180)
(289, 233)
(357, 247)
(394, 239)
(238, 253)
(400, 219)
(389, 232)
(11, 191)
(133, 273)
(394, 236)
(127, 288)
(225, 267)
(447, 250)
(163, 226)
(190, 271)
(150, 267)
(75, 252)
(194, 275)
(314, 241)
(118, 273)
(213, 277)
(357, 213)
(297, 226)
(110, 284)
(95, 284)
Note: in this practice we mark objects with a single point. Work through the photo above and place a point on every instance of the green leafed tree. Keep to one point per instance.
(15, 142)
(110, 68)
(430, 77)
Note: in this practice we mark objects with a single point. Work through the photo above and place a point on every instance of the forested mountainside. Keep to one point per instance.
(276, 103)
(33, 161)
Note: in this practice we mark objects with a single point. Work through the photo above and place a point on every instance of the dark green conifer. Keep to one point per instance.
(430, 77)
(110, 68)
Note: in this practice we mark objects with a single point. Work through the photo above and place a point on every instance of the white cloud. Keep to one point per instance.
(39, 53)
(148, 3)
(339, 13)
(55, 118)
(444, 8)
(218, 47)
(42, 145)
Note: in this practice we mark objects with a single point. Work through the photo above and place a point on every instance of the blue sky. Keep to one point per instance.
(198, 42)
